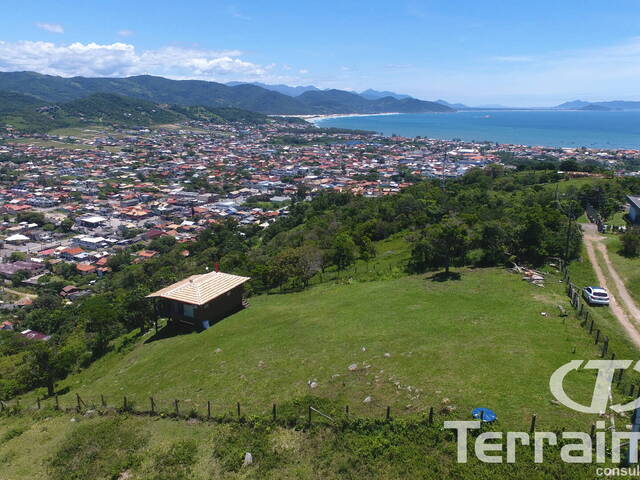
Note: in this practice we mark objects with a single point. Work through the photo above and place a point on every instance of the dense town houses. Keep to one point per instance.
(79, 199)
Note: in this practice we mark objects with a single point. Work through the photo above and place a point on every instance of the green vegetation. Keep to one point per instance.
(104, 448)
(501, 219)
(110, 109)
(209, 94)
(437, 349)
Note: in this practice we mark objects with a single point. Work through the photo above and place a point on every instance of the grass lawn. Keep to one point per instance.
(477, 341)
(104, 448)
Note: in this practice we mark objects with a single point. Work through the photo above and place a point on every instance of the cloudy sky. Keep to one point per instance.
(478, 52)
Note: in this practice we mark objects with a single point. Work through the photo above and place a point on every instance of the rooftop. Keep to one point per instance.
(200, 289)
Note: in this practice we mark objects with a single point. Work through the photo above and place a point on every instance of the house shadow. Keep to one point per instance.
(170, 330)
(444, 276)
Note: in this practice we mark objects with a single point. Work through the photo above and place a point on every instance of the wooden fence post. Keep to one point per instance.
(274, 412)
(597, 335)
(153, 405)
(532, 428)
(78, 402)
(430, 415)
(208, 408)
(346, 411)
(57, 402)
(238, 408)
(103, 401)
(177, 407)
(309, 415)
(125, 407)
(38, 402)
(388, 413)
(605, 346)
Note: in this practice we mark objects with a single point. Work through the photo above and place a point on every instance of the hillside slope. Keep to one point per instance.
(464, 340)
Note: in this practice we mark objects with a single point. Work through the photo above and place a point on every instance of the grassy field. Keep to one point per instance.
(77, 447)
(416, 343)
(63, 145)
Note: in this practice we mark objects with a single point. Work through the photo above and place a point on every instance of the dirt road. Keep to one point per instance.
(622, 300)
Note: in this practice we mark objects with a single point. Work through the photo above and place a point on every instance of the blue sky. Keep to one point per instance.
(477, 52)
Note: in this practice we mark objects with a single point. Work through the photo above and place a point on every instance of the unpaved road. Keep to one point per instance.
(631, 321)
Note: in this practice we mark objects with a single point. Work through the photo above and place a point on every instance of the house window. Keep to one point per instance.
(188, 310)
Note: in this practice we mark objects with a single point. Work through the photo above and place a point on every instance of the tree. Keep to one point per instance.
(630, 243)
(17, 256)
(65, 225)
(441, 245)
(41, 367)
(344, 250)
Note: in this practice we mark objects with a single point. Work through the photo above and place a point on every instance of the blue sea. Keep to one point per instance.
(551, 128)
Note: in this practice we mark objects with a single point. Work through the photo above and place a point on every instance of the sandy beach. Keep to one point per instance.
(317, 118)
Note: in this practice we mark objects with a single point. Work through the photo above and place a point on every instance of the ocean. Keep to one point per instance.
(553, 128)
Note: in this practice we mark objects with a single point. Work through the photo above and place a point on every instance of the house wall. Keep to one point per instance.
(634, 213)
(213, 312)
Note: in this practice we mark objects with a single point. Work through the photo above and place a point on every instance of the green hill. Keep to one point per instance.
(32, 115)
(12, 102)
(416, 343)
(209, 94)
(413, 347)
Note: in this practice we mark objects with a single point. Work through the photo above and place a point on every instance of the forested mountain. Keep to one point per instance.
(280, 88)
(11, 102)
(209, 94)
(339, 101)
(32, 115)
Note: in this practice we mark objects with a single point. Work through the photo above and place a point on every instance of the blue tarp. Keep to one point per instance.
(486, 414)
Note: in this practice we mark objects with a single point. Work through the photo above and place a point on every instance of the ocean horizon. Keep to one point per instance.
(550, 128)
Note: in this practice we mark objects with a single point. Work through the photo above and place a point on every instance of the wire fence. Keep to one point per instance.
(627, 385)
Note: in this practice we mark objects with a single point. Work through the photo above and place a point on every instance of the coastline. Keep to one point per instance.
(316, 118)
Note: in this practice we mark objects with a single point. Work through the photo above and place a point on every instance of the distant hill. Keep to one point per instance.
(573, 105)
(600, 106)
(208, 94)
(11, 102)
(376, 94)
(339, 101)
(280, 88)
(32, 115)
(595, 108)
(451, 105)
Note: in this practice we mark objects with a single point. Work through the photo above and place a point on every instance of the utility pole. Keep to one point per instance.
(444, 165)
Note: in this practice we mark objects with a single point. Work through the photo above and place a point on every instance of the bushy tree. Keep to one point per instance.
(630, 241)
(344, 250)
(441, 245)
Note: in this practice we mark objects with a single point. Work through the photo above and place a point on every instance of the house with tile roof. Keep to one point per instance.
(201, 300)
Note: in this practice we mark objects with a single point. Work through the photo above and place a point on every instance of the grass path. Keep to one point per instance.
(622, 305)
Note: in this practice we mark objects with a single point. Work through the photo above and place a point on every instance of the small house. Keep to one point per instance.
(201, 300)
(634, 209)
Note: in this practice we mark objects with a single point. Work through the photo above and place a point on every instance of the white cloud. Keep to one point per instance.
(125, 33)
(51, 27)
(122, 59)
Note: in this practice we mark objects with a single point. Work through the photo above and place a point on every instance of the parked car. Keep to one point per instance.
(595, 295)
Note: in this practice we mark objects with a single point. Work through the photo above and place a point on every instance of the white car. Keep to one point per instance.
(595, 295)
